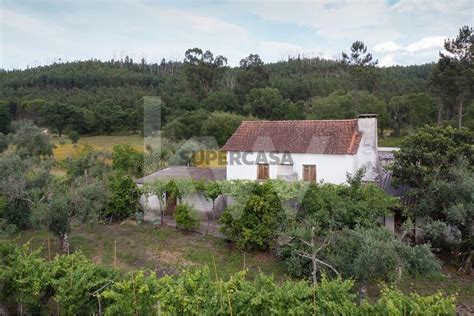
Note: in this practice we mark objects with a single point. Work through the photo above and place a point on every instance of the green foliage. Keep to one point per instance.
(185, 126)
(58, 117)
(24, 277)
(225, 101)
(221, 126)
(203, 70)
(340, 221)
(127, 159)
(74, 136)
(76, 285)
(4, 142)
(452, 77)
(339, 206)
(137, 294)
(30, 141)
(252, 75)
(262, 102)
(432, 150)
(88, 163)
(253, 224)
(23, 183)
(108, 96)
(83, 200)
(342, 105)
(394, 302)
(74, 281)
(413, 110)
(437, 162)
(124, 197)
(17, 212)
(186, 217)
(5, 119)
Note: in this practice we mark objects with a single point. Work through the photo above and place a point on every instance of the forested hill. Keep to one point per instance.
(105, 97)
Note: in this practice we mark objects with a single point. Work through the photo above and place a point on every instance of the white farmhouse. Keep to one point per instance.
(308, 150)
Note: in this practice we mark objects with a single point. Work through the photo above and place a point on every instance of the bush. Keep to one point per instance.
(23, 277)
(74, 137)
(127, 159)
(394, 302)
(253, 224)
(3, 142)
(75, 284)
(18, 213)
(375, 254)
(137, 294)
(87, 278)
(186, 217)
(124, 197)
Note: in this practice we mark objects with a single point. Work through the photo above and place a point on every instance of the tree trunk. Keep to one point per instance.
(460, 112)
(64, 243)
(362, 293)
(315, 270)
(467, 268)
(440, 112)
(398, 127)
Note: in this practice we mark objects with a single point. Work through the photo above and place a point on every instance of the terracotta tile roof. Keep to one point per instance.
(307, 136)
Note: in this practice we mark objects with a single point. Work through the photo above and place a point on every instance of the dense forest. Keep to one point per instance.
(201, 95)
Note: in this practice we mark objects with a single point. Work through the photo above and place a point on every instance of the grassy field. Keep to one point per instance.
(164, 249)
(167, 251)
(66, 149)
(390, 141)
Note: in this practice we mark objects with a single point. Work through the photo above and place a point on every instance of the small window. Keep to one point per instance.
(309, 173)
(263, 171)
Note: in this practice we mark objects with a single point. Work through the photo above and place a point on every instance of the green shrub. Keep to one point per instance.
(3, 142)
(24, 278)
(124, 197)
(394, 302)
(86, 279)
(18, 213)
(74, 137)
(253, 224)
(76, 285)
(127, 159)
(186, 217)
(137, 294)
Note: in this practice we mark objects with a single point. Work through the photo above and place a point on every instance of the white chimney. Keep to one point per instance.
(367, 155)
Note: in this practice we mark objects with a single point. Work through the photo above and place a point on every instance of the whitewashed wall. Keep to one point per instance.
(196, 200)
(329, 168)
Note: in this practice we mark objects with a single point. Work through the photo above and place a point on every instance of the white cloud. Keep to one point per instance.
(389, 46)
(427, 48)
(426, 44)
(406, 32)
(349, 20)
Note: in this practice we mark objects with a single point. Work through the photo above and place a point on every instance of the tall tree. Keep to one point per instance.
(203, 70)
(359, 55)
(57, 116)
(453, 76)
(252, 75)
(361, 66)
(261, 102)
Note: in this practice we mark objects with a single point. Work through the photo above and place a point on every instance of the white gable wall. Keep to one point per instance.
(329, 168)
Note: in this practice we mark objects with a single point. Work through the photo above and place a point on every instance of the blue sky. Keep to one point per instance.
(400, 32)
